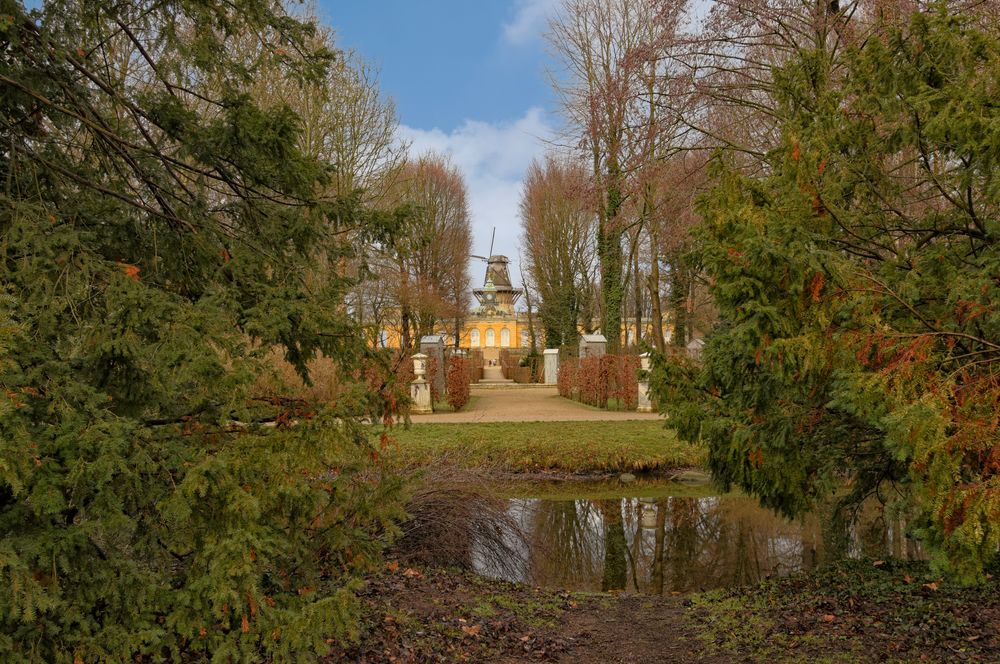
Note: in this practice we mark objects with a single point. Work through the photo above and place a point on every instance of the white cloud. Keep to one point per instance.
(493, 159)
(529, 22)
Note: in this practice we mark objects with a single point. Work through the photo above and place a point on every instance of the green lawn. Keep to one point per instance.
(575, 447)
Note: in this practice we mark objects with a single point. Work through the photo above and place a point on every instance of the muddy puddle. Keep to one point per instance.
(660, 537)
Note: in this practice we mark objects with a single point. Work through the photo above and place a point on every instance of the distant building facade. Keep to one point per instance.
(495, 324)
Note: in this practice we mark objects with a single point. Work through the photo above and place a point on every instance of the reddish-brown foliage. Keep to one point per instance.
(566, 380)
(432, 372)
(458, 385)
(597, 380)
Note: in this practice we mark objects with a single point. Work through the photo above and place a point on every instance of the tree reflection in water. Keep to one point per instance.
(671, 544)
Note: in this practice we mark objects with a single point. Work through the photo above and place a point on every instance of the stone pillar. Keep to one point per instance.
(645, 405)
(433, 346)
(551, 356)
(420, 389)
(593, 345)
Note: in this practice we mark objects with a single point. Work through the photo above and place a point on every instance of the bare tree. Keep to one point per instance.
(426, 268)
(616, 69)
(595, 41)
(558, 226)
(347, 121)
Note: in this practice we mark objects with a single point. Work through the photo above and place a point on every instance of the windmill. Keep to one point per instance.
(498, 295)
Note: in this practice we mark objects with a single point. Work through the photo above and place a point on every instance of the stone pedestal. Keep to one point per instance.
(551, 356)
(420, 389)
(420, 392)
(645, 405)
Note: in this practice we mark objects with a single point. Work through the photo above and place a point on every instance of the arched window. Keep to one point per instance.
(474, 338)
(525, 341)
(491, 338)
(383, 339)
(505, 338)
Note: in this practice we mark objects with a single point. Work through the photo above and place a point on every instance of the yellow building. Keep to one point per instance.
(495, 325)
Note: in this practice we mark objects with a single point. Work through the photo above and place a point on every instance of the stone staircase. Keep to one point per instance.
(493, 375)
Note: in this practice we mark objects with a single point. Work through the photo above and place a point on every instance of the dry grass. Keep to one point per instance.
(456, 517)
(284, 380)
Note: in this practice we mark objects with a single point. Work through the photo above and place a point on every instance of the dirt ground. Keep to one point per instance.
(629, 629)
(430, 615)
(534, 404)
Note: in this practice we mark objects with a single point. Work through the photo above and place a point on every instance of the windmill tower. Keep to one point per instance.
(498, 296)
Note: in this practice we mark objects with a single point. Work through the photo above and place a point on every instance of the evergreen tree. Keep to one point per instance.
(154, 239)
(856, 283)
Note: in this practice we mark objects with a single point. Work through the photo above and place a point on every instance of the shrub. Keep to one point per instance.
(432, 372)
(458, 383)
(566, 381)
(597, 380)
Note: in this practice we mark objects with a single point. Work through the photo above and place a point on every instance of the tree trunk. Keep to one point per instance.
(531, 318)
(636, 276)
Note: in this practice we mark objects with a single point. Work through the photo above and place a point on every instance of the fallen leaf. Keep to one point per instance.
(472, 630)
(828, 617)
(526, 637)
(392, 565)
(412, 573)
(933, 585)
(878, 563)
(907, 578)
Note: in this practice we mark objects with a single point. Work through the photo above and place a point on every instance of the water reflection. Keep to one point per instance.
(667, 544)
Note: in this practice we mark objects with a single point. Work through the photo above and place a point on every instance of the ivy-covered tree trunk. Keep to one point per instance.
(679, 301)
(615, 574)
(656, 310)
(611, 260)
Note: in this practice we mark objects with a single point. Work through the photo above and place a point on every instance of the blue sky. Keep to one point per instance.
(468, 79)
(445, 61)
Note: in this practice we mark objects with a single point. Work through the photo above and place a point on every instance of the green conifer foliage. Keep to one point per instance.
(857, 285)
(157, 239)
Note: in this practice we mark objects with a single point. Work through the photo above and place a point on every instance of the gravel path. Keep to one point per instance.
(534, 404)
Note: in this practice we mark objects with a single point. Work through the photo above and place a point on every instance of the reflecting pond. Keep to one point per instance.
(659, 538)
